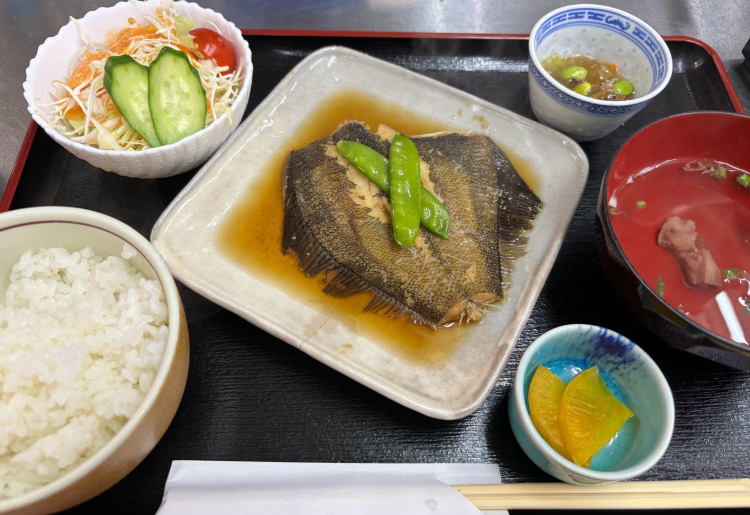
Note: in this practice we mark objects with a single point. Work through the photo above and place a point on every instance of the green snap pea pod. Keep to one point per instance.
(434, 216)
(405, 183)
(368, 161)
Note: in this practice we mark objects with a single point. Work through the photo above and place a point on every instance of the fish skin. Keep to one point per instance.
(330, 207)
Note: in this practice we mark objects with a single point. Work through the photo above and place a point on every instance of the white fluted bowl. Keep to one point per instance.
(52, 62)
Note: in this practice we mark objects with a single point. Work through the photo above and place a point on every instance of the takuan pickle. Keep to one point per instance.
(577, 419)
(433, 214)
(590, 77)
(545, 397)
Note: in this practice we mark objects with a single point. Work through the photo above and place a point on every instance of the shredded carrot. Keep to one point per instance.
(126, 36)
(189, 51)
(83, 72)
(75, 114)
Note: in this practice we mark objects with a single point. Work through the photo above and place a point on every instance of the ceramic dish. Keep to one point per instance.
(629, 373)
(605, 33)
(188, 233)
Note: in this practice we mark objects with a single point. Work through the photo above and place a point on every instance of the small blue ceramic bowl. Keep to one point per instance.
(631, 375)
(604, 33)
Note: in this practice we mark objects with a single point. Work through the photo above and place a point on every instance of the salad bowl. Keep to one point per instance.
(58, 55)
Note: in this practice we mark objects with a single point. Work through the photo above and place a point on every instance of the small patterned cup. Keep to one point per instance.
(603, 33)
(630, 374)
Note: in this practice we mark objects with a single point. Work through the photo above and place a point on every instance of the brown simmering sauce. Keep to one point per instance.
(251, 232)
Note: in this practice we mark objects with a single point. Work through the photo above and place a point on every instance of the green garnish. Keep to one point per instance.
(732, 274)
(405, 198)
(640, 204)
(376, 167)
(745, 301)
(659, 286)
(744, 179)
(700, 242)
(721, 172)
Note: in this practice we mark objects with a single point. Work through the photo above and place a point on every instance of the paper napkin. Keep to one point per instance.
(224, 487)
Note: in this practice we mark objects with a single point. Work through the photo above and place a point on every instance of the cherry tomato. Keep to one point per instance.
(214, 46)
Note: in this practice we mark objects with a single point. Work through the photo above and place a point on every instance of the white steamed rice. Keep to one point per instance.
(81, 340)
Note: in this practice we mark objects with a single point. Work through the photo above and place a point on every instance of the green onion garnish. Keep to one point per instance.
(721, 172)
(744, 179)
(732, 274)
(659, 286)
(640, 204)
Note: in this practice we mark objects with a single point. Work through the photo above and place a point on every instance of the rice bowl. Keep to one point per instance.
(92, 399)
(81, 337)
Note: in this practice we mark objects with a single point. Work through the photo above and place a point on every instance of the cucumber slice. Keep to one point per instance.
(126, 81)
(176, 97)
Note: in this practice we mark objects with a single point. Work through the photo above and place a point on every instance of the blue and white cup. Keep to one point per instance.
(604, 33)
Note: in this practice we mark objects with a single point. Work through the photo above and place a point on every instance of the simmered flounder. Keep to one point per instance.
(337, 222)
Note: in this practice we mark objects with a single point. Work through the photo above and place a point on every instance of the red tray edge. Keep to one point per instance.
(18, 166)
(28, 139)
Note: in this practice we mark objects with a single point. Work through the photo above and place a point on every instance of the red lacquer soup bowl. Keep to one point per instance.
(674, 224)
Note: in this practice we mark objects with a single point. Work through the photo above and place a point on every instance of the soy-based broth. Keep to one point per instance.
(590, 77)
(252, 230)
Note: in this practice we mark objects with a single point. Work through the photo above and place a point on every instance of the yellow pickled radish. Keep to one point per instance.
(545, 398)
(589, 416)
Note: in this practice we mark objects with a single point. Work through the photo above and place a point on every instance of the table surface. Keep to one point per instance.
(722, 24)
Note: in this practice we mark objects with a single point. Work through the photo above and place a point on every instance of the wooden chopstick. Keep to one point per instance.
(710, 493)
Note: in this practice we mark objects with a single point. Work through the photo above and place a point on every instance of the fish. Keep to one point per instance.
(337, 225)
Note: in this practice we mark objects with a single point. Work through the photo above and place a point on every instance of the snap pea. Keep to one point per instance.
(434, 216)
(405, 182)
(368, 161)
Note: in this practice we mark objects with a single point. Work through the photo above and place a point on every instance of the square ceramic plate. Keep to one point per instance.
(187, 233)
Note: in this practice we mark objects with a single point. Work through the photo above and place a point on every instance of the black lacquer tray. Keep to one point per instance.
(254, 398)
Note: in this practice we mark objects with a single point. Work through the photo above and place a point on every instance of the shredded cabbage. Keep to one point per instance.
(83, 110)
